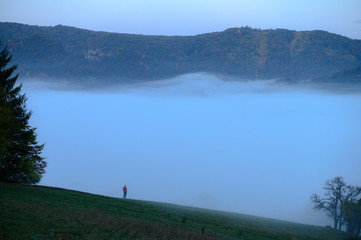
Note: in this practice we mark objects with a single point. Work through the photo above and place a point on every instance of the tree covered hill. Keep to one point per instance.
(350, 76)
(71, 53)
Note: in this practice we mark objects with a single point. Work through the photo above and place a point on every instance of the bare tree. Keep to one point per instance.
(336, 193)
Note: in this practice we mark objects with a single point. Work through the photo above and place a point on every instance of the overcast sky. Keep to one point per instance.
(188, 17)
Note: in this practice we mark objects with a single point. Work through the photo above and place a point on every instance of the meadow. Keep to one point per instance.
(38, 212)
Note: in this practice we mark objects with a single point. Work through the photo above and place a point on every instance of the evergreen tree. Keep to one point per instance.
(20, 159)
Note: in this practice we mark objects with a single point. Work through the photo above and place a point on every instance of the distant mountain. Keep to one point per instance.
(71, 53)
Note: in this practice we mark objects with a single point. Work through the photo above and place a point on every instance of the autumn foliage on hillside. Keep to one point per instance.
(68, 52)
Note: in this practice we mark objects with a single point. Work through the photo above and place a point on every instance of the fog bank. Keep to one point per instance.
(242, 146)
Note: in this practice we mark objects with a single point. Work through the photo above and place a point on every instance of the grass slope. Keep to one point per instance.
(34, 212)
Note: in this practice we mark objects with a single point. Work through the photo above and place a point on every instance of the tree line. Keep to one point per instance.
(62, 52)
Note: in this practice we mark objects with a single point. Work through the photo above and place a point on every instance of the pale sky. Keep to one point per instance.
(188, 17)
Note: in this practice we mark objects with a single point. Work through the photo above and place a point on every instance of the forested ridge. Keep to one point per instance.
(70, 53)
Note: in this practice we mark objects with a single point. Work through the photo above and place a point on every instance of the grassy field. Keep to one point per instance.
(35, 212)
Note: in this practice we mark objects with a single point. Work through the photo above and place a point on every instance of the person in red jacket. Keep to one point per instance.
(125, 190)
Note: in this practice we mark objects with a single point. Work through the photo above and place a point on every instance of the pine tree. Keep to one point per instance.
(20, 159)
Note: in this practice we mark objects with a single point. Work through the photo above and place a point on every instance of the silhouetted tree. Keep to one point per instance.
(336, 193)
(20, 159)
(352, 215)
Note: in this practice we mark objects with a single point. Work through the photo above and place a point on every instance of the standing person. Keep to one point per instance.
(125, 190)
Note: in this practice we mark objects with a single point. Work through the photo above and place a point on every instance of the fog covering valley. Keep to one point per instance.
(251, 147)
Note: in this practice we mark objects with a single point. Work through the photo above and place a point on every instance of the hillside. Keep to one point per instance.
(63, 52)
(350, 76)
(35, 212)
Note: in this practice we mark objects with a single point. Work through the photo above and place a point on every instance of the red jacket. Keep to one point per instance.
(125, 189)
